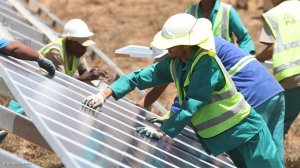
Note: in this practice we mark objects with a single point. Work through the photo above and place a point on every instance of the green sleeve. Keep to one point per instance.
(154, 75)
(204, 80)
(237, 27)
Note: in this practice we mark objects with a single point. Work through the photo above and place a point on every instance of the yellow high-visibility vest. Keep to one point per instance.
(59, 45)
(284, 22)
(221, 24)
(225, 109)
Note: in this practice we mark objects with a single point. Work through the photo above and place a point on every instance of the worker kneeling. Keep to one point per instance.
(218, 113)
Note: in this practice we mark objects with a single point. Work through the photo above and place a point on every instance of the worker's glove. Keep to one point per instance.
(94, 101)
(160, 119)
(151, 132)
(47, 65)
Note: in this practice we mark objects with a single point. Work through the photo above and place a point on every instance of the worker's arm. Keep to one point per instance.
(237, 27)
(266, 54)
(21, 51)
(152, 96)
(267, 38)
(154, 75)
(202, 83)
(86, 74)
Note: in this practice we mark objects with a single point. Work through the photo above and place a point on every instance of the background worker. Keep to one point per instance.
(281, 35)
(226, 23)
(19, 50)
(203, 87)
(67, 54)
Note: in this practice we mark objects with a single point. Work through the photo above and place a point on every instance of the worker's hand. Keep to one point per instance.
(95, 74)
(94, 101)
(160, 119)
(47, 65)
(150, 132)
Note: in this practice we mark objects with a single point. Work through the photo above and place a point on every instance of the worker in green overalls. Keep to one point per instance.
(209, 100)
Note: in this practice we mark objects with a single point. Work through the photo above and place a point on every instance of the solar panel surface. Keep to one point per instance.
(83, 137)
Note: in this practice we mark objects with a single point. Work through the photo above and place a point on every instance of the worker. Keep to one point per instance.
(209, 100)
(242, 4)
(280, 34)
(241, 67)
(67, 54)
(225, 21)
(21, 51)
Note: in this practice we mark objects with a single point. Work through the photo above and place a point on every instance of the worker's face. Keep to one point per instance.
(76, 49)
(182, 52)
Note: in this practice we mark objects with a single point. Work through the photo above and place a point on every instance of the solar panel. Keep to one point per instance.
(17, 25)
(83, 137)
(8, 160)
(21, 126)
(141, 51)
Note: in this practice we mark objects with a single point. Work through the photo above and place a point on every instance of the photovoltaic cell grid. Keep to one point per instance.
(83, 137)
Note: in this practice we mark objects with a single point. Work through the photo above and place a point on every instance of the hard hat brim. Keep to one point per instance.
(201, 35)
(88, 43)
(90, 34)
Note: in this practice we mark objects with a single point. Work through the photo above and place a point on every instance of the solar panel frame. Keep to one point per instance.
(8, 160)
(21, 126)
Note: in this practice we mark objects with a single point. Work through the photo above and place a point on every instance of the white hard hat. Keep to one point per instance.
(185, 29)
(76, 28)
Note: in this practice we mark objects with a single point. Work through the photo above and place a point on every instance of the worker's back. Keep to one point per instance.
(250, 77)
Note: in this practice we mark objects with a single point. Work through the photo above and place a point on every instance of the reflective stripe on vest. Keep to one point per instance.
(225, 109)
(221, 23)
(60, 46)
(286, 57)
(240, 64)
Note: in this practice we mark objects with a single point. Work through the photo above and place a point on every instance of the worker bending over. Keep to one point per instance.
(208, 98)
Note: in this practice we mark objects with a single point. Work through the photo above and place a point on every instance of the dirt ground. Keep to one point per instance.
(117, 23)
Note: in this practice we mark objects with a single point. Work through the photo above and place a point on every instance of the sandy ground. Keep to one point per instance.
(117, 23)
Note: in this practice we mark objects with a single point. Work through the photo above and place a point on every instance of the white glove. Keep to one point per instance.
(151, 132)
(94, 101)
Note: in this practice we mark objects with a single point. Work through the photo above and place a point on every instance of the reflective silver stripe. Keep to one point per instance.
(240, 64)
(225, 72)
(224, 22)
(174, 65)
(286, 66)
(222, 96)
(50, 46)
(284, 47)
(227, 94)
(279, 46)
(223, 117)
